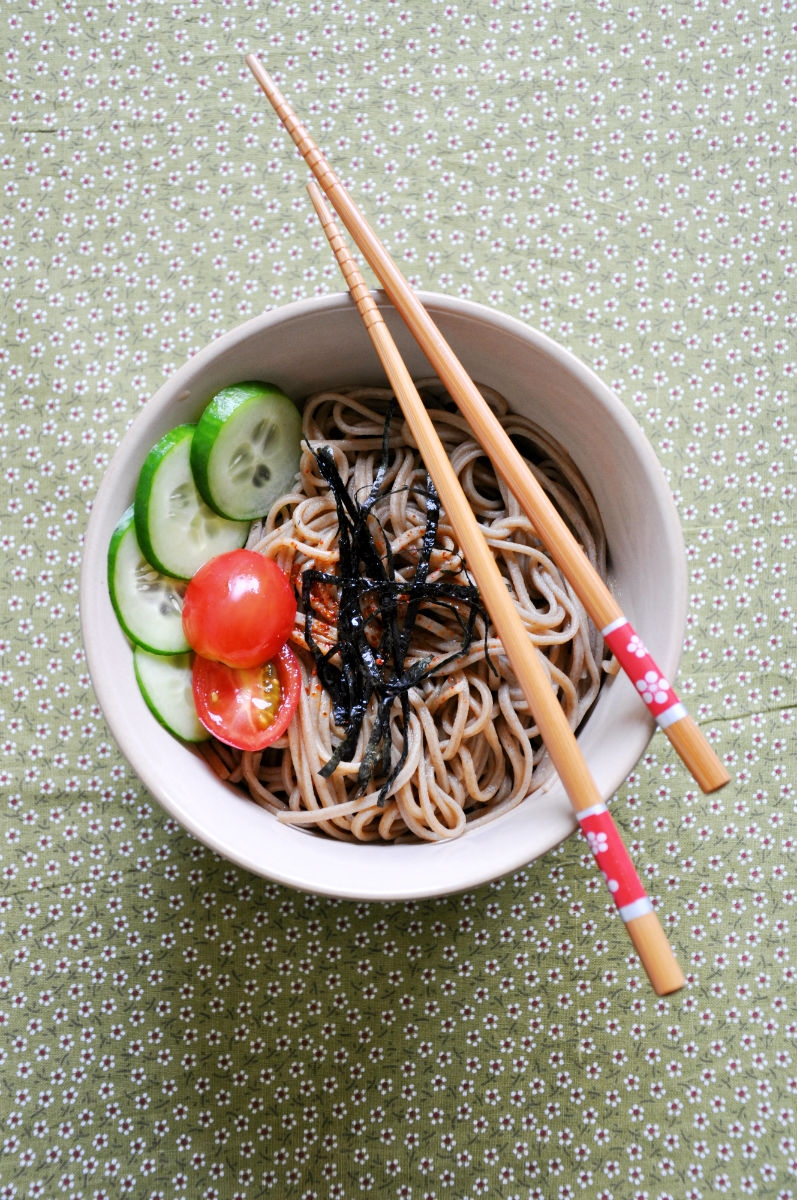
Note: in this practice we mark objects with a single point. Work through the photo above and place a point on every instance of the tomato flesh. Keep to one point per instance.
(238, 609)
(247, 707)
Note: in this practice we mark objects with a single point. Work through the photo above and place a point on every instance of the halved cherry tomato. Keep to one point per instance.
(239, 609)
(247, 707)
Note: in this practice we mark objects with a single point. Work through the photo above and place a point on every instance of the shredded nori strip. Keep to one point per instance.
(377, 614)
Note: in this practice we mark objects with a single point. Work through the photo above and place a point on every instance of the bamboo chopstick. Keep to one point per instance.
(634, 657)
(643, 925)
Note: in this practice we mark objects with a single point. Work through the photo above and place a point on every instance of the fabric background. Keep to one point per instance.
(619, 175)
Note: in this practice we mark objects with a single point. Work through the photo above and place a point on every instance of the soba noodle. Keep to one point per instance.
(473, 750)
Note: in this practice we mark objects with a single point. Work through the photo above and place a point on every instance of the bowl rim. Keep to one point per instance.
(447, 867)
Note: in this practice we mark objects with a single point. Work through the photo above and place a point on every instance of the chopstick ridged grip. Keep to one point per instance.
(603, 609)
(298, 132)
(358, 288)
(642, 924)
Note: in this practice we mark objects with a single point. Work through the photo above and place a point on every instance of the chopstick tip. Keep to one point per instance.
(317, 197)
(260, 73)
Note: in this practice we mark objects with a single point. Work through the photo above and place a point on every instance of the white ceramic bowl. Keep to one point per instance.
(321, 342)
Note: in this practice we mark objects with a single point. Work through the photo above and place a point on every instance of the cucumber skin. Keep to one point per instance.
(143, 491)
(144, 488)
(127, 518)
(218, 410)
(181, 662)
(113, 546)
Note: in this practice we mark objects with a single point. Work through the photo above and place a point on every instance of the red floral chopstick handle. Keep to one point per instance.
(638, 663)
(613, 859)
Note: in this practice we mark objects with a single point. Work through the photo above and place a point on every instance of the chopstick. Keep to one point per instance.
(593, 816)
(634, 657)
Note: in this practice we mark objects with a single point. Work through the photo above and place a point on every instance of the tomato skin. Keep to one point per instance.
(226, 699)
(238, 609)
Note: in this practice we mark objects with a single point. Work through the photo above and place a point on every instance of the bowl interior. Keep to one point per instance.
(320, 343)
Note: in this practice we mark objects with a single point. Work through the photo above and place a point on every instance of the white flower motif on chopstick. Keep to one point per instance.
(598, 842)
(636, 646)
(653, 687)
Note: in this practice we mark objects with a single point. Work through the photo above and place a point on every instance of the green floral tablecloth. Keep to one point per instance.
(620, 175)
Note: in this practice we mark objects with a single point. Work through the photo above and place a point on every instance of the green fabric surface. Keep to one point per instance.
(622, 177)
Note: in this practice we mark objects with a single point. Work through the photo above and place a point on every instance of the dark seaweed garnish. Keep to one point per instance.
(377, 611)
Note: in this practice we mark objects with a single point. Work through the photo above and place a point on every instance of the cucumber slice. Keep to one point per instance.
(166, 685)
(246, 448)
(148, 605)
(176, 530)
